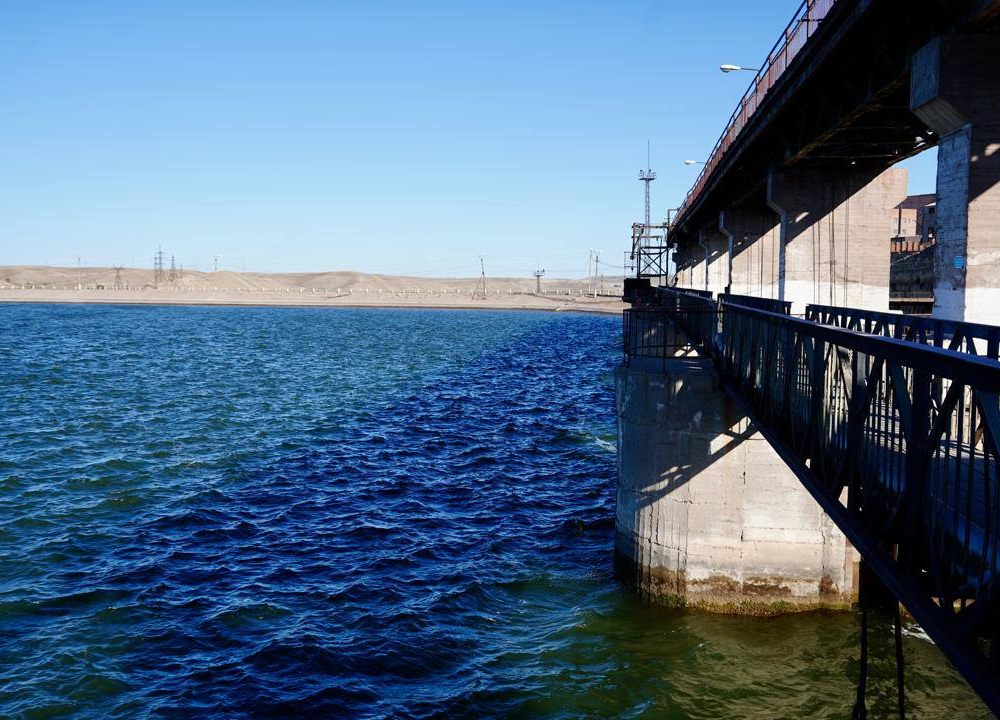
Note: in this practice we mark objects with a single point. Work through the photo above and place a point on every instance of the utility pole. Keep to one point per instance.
(597, 263)
(590, 257)
(538, 281)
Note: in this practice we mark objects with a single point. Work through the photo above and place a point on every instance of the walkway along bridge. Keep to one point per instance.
(891, 422)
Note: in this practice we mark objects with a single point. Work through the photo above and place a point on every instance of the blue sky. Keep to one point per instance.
(383, 137)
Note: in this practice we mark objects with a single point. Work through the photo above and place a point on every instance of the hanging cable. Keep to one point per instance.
(900, 694)
(860, 712)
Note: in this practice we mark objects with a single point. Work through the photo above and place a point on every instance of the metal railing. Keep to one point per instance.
(911, 432)
(653, 337)
(972, 338)
(682, 291)
(802, 26)
(668, 329)
(779, 306)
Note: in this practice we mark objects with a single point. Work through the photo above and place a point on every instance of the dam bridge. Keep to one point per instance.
(784, 440)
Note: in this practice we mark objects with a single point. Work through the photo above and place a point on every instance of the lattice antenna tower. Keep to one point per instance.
(173, 270)
(159, 274)
(647, 176)
(480, 292)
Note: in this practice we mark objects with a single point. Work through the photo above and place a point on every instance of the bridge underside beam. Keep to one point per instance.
(834, 227)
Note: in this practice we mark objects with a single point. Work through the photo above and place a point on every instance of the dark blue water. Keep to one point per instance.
(276, 512)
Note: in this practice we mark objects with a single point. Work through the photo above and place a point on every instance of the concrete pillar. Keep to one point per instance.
(834, 229)
(707, 514)
(955, 89)
(713, 269)
(687, 258)
(753, 236)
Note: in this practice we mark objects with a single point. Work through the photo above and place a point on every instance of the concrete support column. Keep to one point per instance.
(955, 89)
(707, 514)
(714, 266)
(753, 235)
(686, 259)
(835, 227)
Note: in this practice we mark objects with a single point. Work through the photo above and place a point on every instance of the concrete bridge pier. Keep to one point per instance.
(707, 514)
(955, 90)
(752, 236)
(834, 225)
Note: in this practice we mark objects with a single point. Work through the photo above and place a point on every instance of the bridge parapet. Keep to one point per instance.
(803, 24)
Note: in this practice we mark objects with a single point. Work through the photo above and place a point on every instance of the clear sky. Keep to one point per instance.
(377, 136)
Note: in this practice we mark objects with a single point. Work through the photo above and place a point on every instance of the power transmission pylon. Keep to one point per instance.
(173, 270)
(118, 277)
(480, 292)
(159, 275)
(538, 281)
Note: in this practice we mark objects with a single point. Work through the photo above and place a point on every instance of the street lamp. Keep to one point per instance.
(694, 162)
(732, 68)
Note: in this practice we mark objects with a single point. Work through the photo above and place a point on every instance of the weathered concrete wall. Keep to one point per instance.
(753, 235)
(707, 514)
(955, 89)
(834, 229)
(714, 266)
(690, 265)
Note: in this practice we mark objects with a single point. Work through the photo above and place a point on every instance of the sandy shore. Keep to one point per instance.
(305, 298)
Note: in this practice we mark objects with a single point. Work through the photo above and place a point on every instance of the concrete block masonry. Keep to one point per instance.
(707, 514)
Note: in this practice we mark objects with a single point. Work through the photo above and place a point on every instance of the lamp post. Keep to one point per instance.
(694, 162)
(734, 68)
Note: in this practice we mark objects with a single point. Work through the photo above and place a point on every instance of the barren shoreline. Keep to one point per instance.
(604, 305)
(104, 285)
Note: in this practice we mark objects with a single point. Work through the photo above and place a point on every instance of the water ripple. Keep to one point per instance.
(253, 512)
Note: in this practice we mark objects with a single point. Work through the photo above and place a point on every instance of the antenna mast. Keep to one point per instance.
(647, 176)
